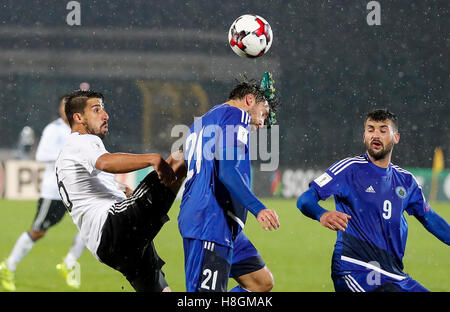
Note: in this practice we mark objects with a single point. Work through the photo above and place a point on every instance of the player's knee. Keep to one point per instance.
(266, 282)
(260, 281)
(35, 235)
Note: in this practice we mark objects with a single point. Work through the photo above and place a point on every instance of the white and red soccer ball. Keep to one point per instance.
(250, 36)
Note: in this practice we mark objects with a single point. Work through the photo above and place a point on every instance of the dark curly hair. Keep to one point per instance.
(382, 115)
(252, 86)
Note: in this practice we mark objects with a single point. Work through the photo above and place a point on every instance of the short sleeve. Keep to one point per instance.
(329, 183)
(417, 204)
(91, 148)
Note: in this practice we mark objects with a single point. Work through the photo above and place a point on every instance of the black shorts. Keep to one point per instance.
(49, 212)
(127, 235)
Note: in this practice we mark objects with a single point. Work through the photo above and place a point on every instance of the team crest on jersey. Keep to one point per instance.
(401, 192)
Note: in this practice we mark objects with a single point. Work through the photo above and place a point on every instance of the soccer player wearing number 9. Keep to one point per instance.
(217, 196)
(371, 196)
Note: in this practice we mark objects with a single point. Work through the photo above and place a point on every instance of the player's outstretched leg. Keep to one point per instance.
(155, 280)
(127, 238)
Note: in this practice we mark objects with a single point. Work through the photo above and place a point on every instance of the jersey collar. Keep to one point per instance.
(382, 171)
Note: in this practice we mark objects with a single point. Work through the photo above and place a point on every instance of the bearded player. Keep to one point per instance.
(371, 196)
(117, 227)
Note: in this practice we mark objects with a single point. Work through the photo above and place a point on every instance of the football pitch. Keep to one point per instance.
(298, 253)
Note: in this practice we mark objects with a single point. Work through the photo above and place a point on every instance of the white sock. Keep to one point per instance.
(75, 251)
(23, 246)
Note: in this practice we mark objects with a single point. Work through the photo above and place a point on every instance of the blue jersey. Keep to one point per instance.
(376, 199)
(208, 211)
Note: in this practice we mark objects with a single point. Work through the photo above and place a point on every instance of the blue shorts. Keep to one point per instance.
(208, 265)
(373, 281)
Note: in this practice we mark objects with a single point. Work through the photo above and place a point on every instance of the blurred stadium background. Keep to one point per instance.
(160, 63)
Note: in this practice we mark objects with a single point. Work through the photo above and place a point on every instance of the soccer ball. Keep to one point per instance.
(250, 36)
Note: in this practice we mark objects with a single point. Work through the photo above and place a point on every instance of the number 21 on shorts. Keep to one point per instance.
(214, 272)
(208, 283)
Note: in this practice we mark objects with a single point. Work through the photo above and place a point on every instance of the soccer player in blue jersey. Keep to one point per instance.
(217, 196)
(371, 196)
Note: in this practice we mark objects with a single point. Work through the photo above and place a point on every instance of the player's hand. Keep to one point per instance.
(128, 191)
(268, 219)
(335, 220)
(164, 171)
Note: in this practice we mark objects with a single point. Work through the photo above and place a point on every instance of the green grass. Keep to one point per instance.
(298, 254)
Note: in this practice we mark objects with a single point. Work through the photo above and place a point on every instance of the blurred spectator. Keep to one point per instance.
(26, 143)
(84, 86)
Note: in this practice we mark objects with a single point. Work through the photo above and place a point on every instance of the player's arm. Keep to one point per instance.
(436, 225)
(419, 208)
(124, 163)
(308, 204)
(233, 180)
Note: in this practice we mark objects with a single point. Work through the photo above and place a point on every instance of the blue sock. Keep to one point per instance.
(238, 288)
